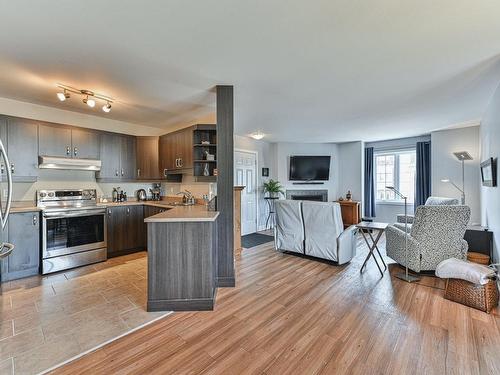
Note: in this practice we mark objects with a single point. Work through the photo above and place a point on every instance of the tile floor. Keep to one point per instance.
(47, 320)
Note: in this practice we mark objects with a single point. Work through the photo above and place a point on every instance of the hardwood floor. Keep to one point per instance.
(289, 314)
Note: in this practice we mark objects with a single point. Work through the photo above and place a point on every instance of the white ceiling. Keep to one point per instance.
(303, 70)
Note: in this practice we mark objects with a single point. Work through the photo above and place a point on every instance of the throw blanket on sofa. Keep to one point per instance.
(459, 269)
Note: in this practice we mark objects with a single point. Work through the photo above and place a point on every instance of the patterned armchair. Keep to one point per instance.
(431, 201)
(436, 234)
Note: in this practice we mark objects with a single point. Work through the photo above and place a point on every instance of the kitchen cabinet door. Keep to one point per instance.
(116, 230)
(128, 170)
(22, 148)
(148, 155)
(24, 234)
(85, 144)
(185, 148)
(54, 141)
(110, 155)
(167, 152)
(135, 228)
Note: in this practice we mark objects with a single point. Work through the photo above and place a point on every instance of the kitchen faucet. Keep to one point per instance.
(187, 197)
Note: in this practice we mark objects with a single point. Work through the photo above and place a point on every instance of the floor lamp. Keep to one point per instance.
(461, 156)
(404, 276)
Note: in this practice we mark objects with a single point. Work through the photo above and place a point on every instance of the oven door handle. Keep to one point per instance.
(62, 215)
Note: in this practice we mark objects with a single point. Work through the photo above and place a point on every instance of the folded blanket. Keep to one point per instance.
(459, 269)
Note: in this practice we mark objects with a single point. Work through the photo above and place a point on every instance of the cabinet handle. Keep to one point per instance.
(109, 212)
(176, 163)
(12, 168)
(128, 210)
(122, 172)
(180, 162)
(75, 151)
(68, 150)
(116, 172)
(138, 172)
(34, 219)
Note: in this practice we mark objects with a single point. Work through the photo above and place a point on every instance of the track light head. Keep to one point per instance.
(89, 102)
(107, 108)
(62, 96)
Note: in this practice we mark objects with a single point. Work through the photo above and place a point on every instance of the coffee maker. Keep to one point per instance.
(156, 192)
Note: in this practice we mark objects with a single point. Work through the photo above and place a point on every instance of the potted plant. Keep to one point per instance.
(273, 188)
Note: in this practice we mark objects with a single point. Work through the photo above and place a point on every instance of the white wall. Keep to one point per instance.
(18, 108)
(445, 165)
(266, 158)
(351, 167)
(285, 149)
(490, 147)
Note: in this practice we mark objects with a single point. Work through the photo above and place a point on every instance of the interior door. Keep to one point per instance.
(245, 167)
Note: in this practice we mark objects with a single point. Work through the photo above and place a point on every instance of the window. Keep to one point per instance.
(395, 169)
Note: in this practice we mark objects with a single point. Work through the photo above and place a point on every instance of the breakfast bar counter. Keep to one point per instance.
(182, 249)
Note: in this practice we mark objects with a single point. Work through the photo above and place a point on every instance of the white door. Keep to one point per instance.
(245, 167)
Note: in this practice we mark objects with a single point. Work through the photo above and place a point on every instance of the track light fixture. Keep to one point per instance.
(89, 97)
(62, 96)
(107, 108)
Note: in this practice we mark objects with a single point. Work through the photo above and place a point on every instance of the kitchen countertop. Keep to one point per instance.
(177, 214)
(174, 213)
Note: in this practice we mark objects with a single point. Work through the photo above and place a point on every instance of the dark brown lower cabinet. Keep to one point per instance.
(125, 229)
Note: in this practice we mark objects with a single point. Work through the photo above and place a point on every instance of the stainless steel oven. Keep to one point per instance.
(73, 229)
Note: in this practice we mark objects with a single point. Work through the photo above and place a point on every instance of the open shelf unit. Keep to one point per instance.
(204, 134)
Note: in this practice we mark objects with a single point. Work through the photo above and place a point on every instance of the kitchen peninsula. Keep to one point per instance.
(182, 259)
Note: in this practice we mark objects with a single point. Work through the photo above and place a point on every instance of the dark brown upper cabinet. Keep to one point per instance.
(182, 151)
(118, 157)
(148, 158)
(68, 142)
(22, 149)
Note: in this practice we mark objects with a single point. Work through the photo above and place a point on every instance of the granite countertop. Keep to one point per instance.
(22, 206)
(177, 214)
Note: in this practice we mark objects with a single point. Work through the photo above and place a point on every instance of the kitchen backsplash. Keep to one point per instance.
(59, 179)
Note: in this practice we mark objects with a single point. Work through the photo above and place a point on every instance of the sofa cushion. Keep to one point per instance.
(289, 226)
(323, 225)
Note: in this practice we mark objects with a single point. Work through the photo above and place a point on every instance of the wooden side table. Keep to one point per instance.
(351, 212)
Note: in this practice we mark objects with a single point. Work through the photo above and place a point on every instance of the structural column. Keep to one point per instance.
(225, 182)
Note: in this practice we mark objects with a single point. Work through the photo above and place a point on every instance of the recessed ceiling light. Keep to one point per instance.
(107, 108)
(257, 135)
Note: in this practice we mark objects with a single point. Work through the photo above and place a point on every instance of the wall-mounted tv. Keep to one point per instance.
(309, 168)
(489, 172)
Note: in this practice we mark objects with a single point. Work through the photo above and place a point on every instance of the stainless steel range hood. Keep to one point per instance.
(54, 162)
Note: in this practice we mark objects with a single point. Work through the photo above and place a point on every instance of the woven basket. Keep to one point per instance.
(478, 258)
(481, 297)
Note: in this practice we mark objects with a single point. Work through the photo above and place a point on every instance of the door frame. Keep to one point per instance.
(256, 153)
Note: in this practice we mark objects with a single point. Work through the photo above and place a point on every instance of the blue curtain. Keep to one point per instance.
(423, 179)
(369, 195)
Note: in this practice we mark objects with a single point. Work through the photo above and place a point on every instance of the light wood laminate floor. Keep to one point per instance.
(46, 320)
(294, 315)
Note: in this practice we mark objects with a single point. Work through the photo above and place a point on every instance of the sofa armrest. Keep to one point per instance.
(346, 245)
(395, 248)
(401, 218)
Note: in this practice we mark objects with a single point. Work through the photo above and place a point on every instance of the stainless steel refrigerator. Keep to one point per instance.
(5, 203)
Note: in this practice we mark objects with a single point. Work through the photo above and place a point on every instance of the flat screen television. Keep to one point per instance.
(309, 168)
